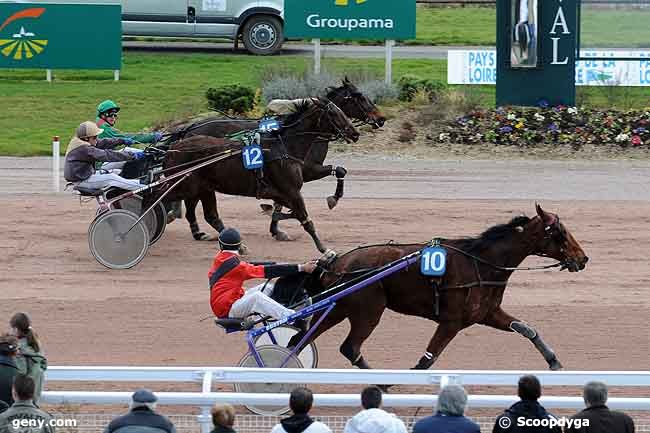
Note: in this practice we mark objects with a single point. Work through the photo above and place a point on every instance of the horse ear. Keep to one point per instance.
(547, 218)
(346, 80)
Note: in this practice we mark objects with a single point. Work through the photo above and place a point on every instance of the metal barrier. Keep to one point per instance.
(206, 376)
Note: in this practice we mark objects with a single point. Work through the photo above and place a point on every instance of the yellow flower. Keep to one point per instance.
(519, 125)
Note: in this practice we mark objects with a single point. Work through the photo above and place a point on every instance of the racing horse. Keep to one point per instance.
(283, 176)
(470, 292)
(347, 97)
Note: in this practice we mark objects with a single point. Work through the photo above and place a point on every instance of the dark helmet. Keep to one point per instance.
(229, 239)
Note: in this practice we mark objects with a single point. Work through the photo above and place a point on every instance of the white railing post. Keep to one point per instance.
(48, 75)
(56, 158)
(316, 56)
(116, 75)
(204, 418)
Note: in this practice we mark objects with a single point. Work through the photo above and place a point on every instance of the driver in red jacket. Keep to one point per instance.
(228, 273)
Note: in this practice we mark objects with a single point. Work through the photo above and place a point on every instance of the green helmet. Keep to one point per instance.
(105, 106)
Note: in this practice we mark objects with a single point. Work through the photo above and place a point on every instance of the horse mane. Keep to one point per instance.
(299, 109)
(492, 235)
(204, 143)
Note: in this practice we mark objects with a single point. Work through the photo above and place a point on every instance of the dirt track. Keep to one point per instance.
(150, 315)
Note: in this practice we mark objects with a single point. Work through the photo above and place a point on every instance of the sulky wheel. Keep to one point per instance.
(161, 222)
(150, 220)
(272, 356)
(116, 241)
(308, 356)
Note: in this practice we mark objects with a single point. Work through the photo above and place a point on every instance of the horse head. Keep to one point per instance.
(355, 104)
(557, 242)
(329, 119)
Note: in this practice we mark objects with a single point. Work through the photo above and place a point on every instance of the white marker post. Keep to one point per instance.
(316, 56)
(389, 61)
(48, 75)
(56, 158)
(116, 75)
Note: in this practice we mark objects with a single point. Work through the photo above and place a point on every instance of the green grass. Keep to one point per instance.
(153, 87)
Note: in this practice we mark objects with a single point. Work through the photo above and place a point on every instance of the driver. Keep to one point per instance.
(85, 149)
(228, 273)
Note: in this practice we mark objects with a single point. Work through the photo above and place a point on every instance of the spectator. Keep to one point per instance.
(30, 359)
(24, 409)
(373, 419)
(300, 402)
(142, 417)
(600, 418)
(223, 418)
(8, 368)
(449, 417)
(529, 391)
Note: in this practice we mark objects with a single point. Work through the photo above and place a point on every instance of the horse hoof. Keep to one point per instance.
(332, 202)
(243, 250)
(267, 209)
(281, 236)
(200, 236)
(170, 217)
(555, 365)
(385, 388)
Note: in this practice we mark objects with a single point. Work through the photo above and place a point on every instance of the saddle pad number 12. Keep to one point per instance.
(433, 261)
(253, 157)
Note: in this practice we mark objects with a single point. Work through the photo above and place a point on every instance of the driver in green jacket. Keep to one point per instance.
(107, 112)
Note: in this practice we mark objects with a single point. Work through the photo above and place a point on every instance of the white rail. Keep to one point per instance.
(206, 376)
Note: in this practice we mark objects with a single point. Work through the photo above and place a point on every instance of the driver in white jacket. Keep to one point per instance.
(373, 419)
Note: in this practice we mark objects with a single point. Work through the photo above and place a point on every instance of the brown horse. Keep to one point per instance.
(282, 179)
(347, 97)
(469, 293)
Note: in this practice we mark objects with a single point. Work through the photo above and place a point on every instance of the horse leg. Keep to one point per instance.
(299, 211)
(316, 171)
(190, 215)
(276, 217)
(362, 323)
(334, 318)
(499, 319)
(445, 332)
(211, 215)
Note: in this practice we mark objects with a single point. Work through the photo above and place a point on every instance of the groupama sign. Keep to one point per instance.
(350, 19)
(60, 36)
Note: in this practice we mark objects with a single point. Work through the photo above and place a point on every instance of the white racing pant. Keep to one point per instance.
(103, 180)
(117, 166)
(257, 300)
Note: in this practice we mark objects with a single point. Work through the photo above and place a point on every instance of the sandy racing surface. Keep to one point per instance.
(594, 320)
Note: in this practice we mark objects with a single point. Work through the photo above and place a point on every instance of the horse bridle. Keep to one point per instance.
(355, 96)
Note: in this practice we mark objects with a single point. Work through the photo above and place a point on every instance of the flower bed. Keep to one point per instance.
(546, 125)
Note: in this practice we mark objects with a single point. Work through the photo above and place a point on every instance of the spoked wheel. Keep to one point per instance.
(272, 356)
(308, 356)
(116, 241)
(152, 220)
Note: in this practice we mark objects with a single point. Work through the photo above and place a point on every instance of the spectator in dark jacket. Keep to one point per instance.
(449, 414)
(24, 409)
(8, 368)
(223, 418)
(142, 418)
(597, 418)
(528, 408)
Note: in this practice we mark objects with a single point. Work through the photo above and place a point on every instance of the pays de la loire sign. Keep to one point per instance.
(60, 36)
(350, 19)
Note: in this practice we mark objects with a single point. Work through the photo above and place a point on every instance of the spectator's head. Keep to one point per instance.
(371, 397)
(23, 387)
(301, 400)
(8, 345)
(144, 398)
(223, 415)
(529, 388)
(595, 394)
(452, 400)
(22, 326)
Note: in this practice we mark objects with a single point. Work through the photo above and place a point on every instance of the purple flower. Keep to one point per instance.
(505, 129)
(640, 131)
(552, 127)
(543, 103)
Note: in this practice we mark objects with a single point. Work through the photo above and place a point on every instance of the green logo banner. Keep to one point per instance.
(60, 36)
(350, 19)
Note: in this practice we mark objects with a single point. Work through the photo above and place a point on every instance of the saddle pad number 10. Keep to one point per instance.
(253, 157)
(269, 125)
(433, 261)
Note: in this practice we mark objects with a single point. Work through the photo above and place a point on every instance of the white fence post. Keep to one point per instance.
(204, 418)
(116, 75)
(56, 158)
(48, 75)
